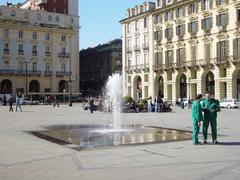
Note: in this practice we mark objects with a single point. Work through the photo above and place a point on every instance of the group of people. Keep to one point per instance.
(159, 105)
(203, 114)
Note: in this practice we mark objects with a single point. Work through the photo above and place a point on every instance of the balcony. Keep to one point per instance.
(63, 55)
(61, 73)
(158, 68)
(6, 51)
(129, 69)
(129, 50)
(222, 61)
(34, 73)
(137, 68)
(169, 66)
(47, 73)
(136, 48)
(145, 46)
(192, 64)
(180, 65)
(145, 67)
(11, 72)
(47, 53)
(21, 53)
(34, 53)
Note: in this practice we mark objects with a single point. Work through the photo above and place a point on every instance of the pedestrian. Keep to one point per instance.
(210, 107)
(91, 103)
(11, 104)
(4, 100)
(197, 117)
(18, 101)
(55, 101)
(149, 103)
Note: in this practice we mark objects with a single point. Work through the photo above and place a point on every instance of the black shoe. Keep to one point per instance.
(215, 142)
(205, 142)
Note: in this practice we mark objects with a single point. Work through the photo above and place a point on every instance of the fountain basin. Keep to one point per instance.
(94, 136)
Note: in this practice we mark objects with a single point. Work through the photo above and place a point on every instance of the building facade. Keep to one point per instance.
(37, 50)
(97, 64)
(180, 48)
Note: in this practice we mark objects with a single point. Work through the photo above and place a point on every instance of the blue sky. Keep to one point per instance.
(99, 20)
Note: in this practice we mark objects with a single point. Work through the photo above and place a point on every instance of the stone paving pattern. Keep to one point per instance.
(26, 157)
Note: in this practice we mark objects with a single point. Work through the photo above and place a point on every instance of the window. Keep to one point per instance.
(169, 2)
(222, 20)
(64, 10)
(129, 62)
(5, 33)
(136, 25)
(13, 13)
(47, 50)
(47, 37)
(158, 19)
(63, 50)
(145, 22)
(169, 58)
(34, 49)
(47, 67)
(236, 49)
(34, 67)
(193, 53)
(158, 58)
(193, 27)
(180, 56)
(20, 48)
(63, 38)
(5, 48)
(38, 17)
(159, 3)
(158, 35)
(137, 60)
(207, 52)
(57, 18)
(222, 51)
(20, 34)
(206, 4)
(180, 12)
(146, 59)
(63, 67)
(34, 35)
(169, 33)
(180, 30)
(192, 8)
(169, 15)
(50, 18)
(207, 24)
(128, 28)
(72, 21)
(220, 2)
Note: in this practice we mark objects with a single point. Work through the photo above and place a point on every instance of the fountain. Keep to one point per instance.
(92, 136)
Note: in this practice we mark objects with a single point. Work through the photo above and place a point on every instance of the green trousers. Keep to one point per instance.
(195, 132)
(213, 123)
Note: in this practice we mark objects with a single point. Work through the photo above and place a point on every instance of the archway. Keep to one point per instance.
(159, 86)
(34, 86)
(236, 84)
(62, 86)
(6, 87)
(210, 83)
(137, 88)
(183, 86)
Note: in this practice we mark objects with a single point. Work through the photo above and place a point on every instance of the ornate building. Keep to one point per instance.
(37, 49)
(179, 48)
(96, 64)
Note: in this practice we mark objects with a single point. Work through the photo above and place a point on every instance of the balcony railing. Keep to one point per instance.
(145, 46)
(63, 55)
(47, 53)
(137, 48)
(129, 50)
(11, 72)
(6, 51)
(158, 67)
(47, 73)
(61, 73)
(21, 53)
(34, 73)
(34, 53)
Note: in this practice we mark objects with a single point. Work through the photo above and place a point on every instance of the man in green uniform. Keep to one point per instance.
(196, 118)
(210, 107)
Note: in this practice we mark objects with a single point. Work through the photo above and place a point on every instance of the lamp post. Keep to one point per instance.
(68, 78)
(189, 89)
(26, 77)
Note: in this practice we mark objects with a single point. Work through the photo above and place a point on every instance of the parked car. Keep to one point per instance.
(228, 103)
(28, 101)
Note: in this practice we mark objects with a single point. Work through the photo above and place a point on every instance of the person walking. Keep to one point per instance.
(197, 117)
(91, 103)
(210, 107)
(4, 100)
(55, 101)
(11, 104)
(149, 103)
(18, 101)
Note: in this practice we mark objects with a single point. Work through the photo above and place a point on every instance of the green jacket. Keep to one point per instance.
(212, 104)
(197, 111)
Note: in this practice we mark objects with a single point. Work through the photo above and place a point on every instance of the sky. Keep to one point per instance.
(99, 20)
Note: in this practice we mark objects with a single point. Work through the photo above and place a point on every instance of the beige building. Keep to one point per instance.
(37, 50)
(180, 48)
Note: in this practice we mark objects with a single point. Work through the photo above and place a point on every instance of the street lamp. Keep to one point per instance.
(189, 89)
(69, 78)
(26, 77)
